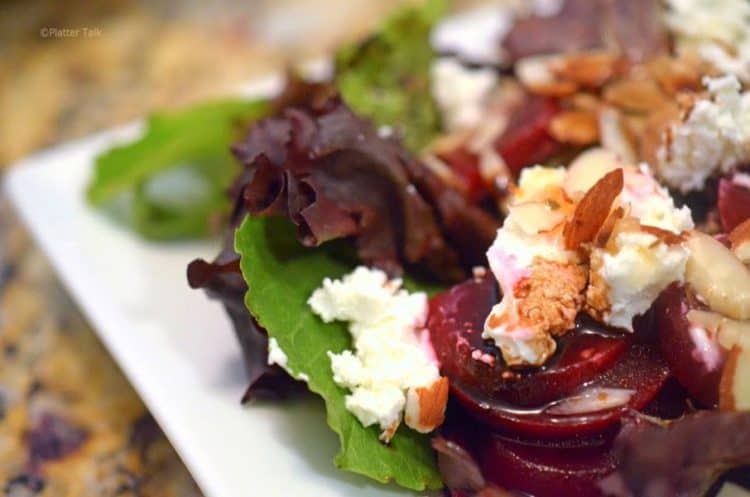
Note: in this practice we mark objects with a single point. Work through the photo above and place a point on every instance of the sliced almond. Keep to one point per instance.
(734, 387)
(728, 379)
(635, 95)
(592, 210)
(592, 399)
(627, 224)
(605, 232)
(583, 101)
(589, 69)
(577, 127)
(674, 75)
(615, 136)
(588, 168)
(655, 133)
(536, 217)
(708, 320)
(425, 407)
(536, 75)
(665, 236)
(718, 276)
(387, 434)
(733, 336)
(728, 332)
(740, 240)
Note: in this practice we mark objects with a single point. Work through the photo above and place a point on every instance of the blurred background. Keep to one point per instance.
(68, 69)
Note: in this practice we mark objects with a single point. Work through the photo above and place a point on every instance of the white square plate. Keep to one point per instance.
(175, 345)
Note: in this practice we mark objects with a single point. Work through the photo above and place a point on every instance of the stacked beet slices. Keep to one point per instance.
(513, 423)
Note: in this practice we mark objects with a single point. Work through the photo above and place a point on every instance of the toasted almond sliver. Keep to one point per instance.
(605, 232)
(576, 127)
(718, 276)
(728, 378)
(665, 236)
(674, 75)
(583, 101)
(387, 434)
(555, 89)
(615, 136)
(590, 70)
(656, 131)
(428, 412)
(536, 75)
(740, 234)
(635, 95)
(734, 386)
(740, 240)
(588, 168)
(593, 209)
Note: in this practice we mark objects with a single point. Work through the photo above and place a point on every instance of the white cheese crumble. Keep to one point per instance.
(275, 354)
(718, 29)
(651, 203)
(474, 35)
(461, 93)
(636, 270)
(715, 137)
(539, 8)
(392, 355)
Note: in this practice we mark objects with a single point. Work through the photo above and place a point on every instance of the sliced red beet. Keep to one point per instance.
(697, 365)
(544, 471)
(642, 370)
(456, 322)
(537, 468)
(466, 165)
(733, 204)
(525, 141)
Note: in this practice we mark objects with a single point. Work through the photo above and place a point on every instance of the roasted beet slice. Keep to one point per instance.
(641, 369)
(733, 204)
(696, 360)
(544, 471)
(525, 141)
(474, 459)
(512, 400)
(456, 322)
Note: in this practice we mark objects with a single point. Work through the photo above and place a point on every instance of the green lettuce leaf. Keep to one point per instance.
(281, 275)
(387, 77)
(172, 182)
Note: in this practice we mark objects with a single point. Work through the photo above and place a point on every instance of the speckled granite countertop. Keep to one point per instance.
(70, 424)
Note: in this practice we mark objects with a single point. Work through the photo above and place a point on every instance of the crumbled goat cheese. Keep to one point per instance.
(714, 137)
(651, 203)
(718, 29)
(636, 270)
(473, 35)
(391, 357)
(461, 93)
